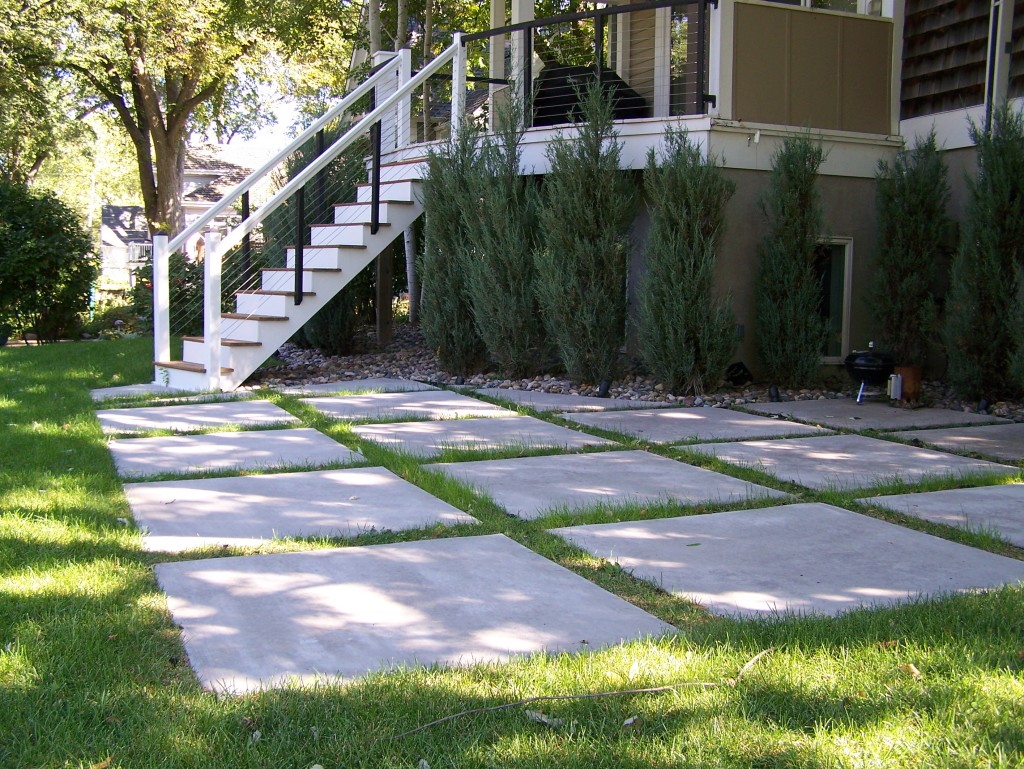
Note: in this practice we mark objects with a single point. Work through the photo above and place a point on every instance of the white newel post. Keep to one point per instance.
(403, 111)
(161, 301)
(211, 308)
(458, 86)
(385, 87)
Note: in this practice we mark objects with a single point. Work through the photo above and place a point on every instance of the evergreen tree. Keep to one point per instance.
(581, 273)
(686, 334)
(446, 315)
(983, 342)
(791, 331)
(913, 225)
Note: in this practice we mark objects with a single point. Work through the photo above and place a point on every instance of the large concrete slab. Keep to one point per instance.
(193, 416)
(847, 461)
(248, 510)
(260, 620)
(441, 404)
(687, 424)
(806, 558)
(355, 386)
(530, 486)
(252, 450)
(1005, 442)
(545, 401)
(101, 394)
(998, 508)
(429, 439)
(847, 414)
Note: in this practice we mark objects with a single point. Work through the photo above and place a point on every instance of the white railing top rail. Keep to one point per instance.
(234, 237)
(236, 192)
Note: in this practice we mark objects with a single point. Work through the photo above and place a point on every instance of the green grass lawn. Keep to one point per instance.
(93, 672)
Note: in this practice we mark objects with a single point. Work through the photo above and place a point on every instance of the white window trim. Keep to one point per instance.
(847, 243)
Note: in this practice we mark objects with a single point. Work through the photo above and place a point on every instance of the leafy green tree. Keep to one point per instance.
(686, 334)
(913, 228)
(790, 328)
(581, 272)
(47, 263)
(984, 343)
(446, 313)
(502, 225)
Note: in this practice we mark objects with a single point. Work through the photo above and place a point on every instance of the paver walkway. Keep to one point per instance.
(347, 612)
(807, 558)
(684, 424)
(252, 450)
(398, 405)
(357, 386)
(848, 461)
(545, 401)
(995, 508)
(531, 486)
(847, 414)
(1005, 442)
(248, 510)
(193, 416)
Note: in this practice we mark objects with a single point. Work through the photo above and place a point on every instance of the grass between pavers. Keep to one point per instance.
(92, 670)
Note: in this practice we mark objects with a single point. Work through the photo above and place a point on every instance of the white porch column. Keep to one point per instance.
(522, 10)
(211, 308)
(385, 87)
(997, 76)
(161, 301)
(496, 63)
(458, 86)
(896, 12)
(720, 55)
(403, 111)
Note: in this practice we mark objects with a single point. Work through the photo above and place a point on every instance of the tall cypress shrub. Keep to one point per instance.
(446, 314)
(983, 340)
(502, 225)
(686, 334)
(913, 225)
(581, 271)
(791, 331)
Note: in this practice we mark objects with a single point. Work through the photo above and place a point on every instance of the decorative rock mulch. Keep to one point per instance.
(407, 357)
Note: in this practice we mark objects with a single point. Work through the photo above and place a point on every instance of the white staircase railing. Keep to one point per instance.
(395, 67)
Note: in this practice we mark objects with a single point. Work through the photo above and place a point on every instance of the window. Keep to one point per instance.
(834, 263)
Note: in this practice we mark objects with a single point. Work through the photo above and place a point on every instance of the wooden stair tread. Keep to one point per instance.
(196, 368)
(225, 342)
(389, 202)
(247, 316)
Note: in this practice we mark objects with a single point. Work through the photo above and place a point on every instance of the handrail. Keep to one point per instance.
(299, 180)
(243, 186)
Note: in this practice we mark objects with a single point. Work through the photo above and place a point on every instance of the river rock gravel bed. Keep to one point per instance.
(407, 357)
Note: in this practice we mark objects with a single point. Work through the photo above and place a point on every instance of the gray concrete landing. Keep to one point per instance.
(1004, 442)
(420, 405)
(846, 414)
(1000, 508)
(193, 416)
(685, 424)
(429, 439)
(355, 386)
(252, 450)
(248, 510)
(545, 401)
(530, 486)
(847, 461)
(807, 558)
(128, 391)
(259, 620)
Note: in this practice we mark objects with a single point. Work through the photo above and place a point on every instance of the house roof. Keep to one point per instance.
(126, 223)
(204, 161)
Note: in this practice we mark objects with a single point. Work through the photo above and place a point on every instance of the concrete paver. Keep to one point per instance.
(684, 424)
(847, 461)
(999, 508)
(1005, 442)
(429, 439)
(806, 558)
(248, 510)
(193, 416)
(354, 386)
(259, 620)
(847, 414)
(530, 486)
(441, 404)
(101, 394)
(251, 450)
(545, 401)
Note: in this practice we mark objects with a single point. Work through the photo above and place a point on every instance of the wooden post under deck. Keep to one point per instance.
(385, 308)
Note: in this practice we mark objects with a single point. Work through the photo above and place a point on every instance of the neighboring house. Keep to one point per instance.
(124, 245)
(206, 179)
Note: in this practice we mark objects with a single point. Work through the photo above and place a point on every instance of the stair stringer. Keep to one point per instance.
(323, 275)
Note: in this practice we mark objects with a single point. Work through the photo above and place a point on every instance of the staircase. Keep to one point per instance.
(267, 317)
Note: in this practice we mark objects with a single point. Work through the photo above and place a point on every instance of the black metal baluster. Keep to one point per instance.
(300, 238)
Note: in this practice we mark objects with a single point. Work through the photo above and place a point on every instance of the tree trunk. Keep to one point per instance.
(373, 23)
(401, 31)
